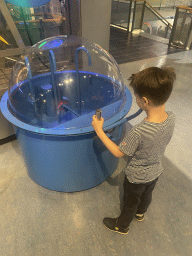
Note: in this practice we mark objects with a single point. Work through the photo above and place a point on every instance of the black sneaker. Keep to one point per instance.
(111, 224)
(139, 217)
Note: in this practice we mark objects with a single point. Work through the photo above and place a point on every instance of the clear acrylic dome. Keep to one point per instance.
(62, 81)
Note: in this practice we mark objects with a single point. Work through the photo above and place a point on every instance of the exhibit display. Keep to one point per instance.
(53, 93)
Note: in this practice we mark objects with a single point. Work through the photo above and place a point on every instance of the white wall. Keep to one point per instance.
(95, 21)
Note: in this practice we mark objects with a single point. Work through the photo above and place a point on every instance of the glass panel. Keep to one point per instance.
(168, 3)
(40, 22)
(182, 28)
(119, 13)
(155, 3)
(35, 24)
(154, 25)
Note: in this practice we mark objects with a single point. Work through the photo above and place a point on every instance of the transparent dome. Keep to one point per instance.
(62, 81)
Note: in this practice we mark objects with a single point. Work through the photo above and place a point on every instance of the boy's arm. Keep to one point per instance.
(112, 147)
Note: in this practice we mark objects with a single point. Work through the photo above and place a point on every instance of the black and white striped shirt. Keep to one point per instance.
(145, 144)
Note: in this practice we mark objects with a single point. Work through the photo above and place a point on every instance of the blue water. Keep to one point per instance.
(96, 91)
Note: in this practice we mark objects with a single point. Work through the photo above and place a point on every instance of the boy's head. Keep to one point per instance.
(154, 83)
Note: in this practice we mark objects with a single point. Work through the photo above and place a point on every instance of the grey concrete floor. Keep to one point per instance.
(36, 221)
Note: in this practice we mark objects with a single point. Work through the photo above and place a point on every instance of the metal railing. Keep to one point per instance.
(150, 20)
(131, 15)
(158, 15)
(161, 4)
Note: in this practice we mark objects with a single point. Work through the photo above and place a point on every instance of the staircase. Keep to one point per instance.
(171, 26)
(134, 15)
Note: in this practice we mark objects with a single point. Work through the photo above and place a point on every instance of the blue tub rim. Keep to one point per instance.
(51, 131)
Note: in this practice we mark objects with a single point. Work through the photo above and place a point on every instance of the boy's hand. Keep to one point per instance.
(97, 124)
(112, 147)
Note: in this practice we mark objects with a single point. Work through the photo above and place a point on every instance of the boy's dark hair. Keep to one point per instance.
(154, 83)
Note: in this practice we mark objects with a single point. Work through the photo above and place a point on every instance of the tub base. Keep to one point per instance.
(66, 163)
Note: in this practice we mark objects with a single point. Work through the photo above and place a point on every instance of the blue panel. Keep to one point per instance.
(28, 3)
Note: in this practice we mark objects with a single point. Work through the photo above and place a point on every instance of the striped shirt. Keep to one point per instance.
(145, 144)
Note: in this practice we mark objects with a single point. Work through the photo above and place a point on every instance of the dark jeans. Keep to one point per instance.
(136, 199)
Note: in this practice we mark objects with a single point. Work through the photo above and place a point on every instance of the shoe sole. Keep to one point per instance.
(140, 219)
(116, 230)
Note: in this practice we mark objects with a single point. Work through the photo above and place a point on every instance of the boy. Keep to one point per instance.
(145, 144)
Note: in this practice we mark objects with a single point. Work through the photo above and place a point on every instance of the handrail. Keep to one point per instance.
(43, 20)
(158, 14)
(185, 8)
